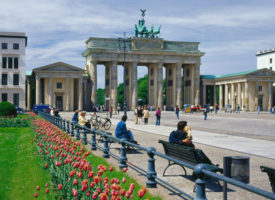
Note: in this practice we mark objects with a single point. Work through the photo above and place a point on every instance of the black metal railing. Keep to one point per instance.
(201, 170)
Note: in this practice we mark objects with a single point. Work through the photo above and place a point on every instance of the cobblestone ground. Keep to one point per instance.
(262, 126)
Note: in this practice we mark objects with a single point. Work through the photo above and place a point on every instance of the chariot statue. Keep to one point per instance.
(142, 31)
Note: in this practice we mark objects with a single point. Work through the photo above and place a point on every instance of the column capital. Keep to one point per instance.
(37, 77)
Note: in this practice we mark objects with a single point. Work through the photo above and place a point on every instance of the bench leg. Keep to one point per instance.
(169, 165)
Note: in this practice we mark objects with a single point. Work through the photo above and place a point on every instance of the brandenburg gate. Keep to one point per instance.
(181, 61)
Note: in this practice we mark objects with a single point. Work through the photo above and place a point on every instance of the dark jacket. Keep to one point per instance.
(75, 118)
(139, 113)
(177, 137)
(121, 130)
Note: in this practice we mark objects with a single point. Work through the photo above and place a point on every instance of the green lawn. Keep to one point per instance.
(20, 171)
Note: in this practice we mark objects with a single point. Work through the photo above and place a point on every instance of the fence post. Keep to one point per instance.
(123, 158)
(93, 142)
(151, 172)
(200, 182)
(106, 146)
(64, 124)
(72, 129)
(84, 139)
(77, 132)
(68, 127)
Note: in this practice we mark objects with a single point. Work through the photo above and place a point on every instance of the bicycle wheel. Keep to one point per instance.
(107, 125)
(97, 124)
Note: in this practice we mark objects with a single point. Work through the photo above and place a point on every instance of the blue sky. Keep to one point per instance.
(230, 32)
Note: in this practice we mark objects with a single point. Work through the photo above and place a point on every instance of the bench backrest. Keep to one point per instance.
(180, 152)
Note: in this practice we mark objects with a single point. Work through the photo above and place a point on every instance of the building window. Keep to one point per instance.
(4, 79)
(260, 88)
(4, 62)
(152, 82)
(187, 83)
(270, 60)
(15, 46)
(270, 68)
(107, 82)
(4, 96)
(187, 72)
(15, 79)
(4, 45)
(15, 62)
(170, 83)
(10, 62)
(16, 99)
(59, 85)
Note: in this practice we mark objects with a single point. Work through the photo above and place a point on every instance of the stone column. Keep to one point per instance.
(51, 91)
(134, 85)
(269, 95)
(29, 95)
(107, 85)
(178, 84)
(160, 85)
(256, 94)
(204, 93)
(239, 95)
(114, 85)
(37, 90)
(197, 84)
(67, 94)
(246, 87)
(232, 96)
(221, 97)
(80, 93)
(225, 94)
(93, 76)
(215, 95)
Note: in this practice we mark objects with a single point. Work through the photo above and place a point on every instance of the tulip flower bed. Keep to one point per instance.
(76, 173)
(20, 172)
(14, 122)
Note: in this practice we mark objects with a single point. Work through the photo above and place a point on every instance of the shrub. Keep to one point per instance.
(7, 109)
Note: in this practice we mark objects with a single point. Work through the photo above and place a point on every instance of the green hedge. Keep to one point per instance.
(7, 109)
(14, 122)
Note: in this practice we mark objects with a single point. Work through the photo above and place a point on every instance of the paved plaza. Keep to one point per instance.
(245, 134)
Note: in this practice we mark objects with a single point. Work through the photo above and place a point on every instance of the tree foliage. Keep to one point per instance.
(101, 96)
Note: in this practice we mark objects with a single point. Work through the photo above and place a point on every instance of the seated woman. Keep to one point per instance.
(83, 121)
(122, 132)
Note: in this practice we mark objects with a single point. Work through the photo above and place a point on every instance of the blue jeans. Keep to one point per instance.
(205, 116)
(131, 136)
(158, 121)
(177, 113)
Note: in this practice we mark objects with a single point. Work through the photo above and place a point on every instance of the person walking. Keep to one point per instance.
(216, 108)
(158, 114)
(238, 109)
(139, 114)
(177, 111)
(146, 115)
(259, 109)
(111, 111)
(205, 113)
(118, 108)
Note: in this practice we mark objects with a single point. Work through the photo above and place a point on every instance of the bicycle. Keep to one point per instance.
(98, 122)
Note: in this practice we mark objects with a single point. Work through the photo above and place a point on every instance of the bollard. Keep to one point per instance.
(64, 124)
(72, 129)
(106, 146)
(200, 182)
(93, 142)
(68, 127)
(84, 139)
(123, 158)
(151, 172)
(77, 132)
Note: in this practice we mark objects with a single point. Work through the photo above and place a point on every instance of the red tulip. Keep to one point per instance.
(91, 174)
(88, 193)
(75, 193)
(94, 195)
(124, 169)
(46, 166)
(111, 168)
(47, 185)
(124, 180)
(92, 184)
(75, 182)
(140, 193)
(123, 192)
(37, 188)
(35, 195)
(47, 190)
(60, 186)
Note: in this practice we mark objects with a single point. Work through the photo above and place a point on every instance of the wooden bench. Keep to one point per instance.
(271, 174)
(186, 154)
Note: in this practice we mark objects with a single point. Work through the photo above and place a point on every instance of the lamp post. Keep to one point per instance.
(124, 40)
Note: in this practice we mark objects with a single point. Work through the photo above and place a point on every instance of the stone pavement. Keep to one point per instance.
(148, 135)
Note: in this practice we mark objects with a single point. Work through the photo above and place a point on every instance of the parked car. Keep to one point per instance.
(19, 110)
(41, 107)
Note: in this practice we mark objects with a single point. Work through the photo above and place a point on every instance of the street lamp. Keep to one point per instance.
(124, 40)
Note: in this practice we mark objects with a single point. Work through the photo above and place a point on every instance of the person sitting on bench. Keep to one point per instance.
(122, 132)
(182, 135)
(83, 121)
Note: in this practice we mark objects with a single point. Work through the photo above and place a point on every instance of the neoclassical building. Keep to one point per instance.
(59, 84)
(248, 89)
